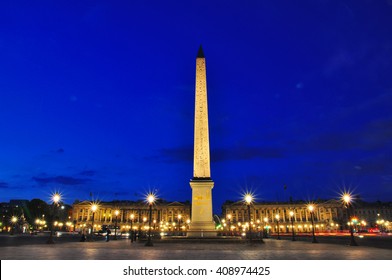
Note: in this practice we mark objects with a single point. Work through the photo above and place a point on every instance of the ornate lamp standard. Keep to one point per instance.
(248, 200)
(14, 220)
(188, 221)
(116, 212)
(179, 222)
(380, 224)
(55, 200)
(311, 210)
(292, 225)
(346, 198)
(144, 222)
(94, 208)
(228, 217)
(37, 223)
(223, 224)
(150, 200)
(265, 227)
(131, 232)
(277, 221)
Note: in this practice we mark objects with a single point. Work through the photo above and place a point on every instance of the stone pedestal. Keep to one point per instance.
(202, 222)
(201, 234)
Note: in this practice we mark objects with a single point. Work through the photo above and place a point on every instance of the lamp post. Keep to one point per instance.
(277, 221)
(292, 225)
(311, 210)
(380, 224)
(116, 212)
(94, 208)
(179, 223)
(150, 200)
(228, 222)
(14, 220)
(223, 225)
(248, 200)
(55, 200)
(265, 229)
(131, 233)
(188, 221)
(37, 222)
(346, 198)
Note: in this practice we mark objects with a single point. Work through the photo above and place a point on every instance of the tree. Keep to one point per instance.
(36, 209)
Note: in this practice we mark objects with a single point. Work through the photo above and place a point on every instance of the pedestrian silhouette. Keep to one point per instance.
(107, 235)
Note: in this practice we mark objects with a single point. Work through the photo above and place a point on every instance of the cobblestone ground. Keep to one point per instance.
(123, 249)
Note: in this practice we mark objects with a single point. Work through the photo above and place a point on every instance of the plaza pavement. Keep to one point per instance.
(123, 249)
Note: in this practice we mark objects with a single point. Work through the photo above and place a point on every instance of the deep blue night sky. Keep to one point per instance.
(97, 97)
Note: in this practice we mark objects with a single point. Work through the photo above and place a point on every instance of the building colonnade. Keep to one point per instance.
(174, 216)
(328, 216)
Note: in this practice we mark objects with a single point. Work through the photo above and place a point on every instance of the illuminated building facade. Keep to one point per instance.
(329, 216)
(376, 214)
(166, 216)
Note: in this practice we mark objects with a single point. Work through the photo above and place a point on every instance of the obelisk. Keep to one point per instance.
(202, 224)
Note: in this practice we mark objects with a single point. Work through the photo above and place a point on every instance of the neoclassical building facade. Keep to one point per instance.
(328, 216)
(170, 216)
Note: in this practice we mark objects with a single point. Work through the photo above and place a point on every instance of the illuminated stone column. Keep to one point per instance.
(202, 224)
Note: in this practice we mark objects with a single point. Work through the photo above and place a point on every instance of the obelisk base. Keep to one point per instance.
(202, 230)
(202, 224)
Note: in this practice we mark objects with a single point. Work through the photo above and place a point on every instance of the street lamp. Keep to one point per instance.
(265, 228)
(179, 222)
(354, 221)
(346, 198)
(131, 233)
(248, 200)
(386, 225)
(150, 200)
(292, 225)
(55, 200)
(223, 224)
(380, 224)
(144, 221)
(311, 209)
(94, 208)
(277, 221)
(188, 221)
(116, 212)
(37, 222)
(14, 220)
(229, 222)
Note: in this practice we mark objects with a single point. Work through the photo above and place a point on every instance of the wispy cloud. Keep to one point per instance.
(175, 154)
(374, 135)
(87, 173)
(245, 153)
(4, 185)
(64, 180)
